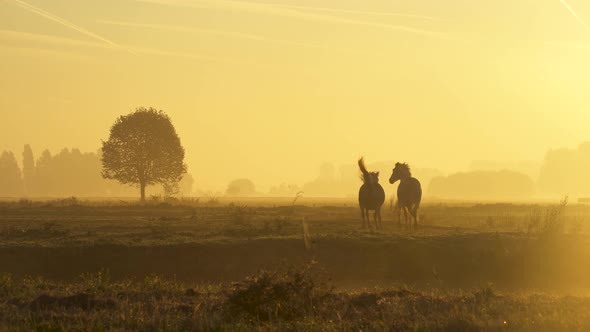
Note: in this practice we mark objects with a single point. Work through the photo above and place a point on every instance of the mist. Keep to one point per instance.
(71, 172)
(241, 104)
(330, 165)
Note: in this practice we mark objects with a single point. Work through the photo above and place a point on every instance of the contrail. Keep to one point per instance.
(19, 35)
(292, 13)
(36, 52)
(204, 30)
(54, 18)
(352, 11)
(573, 12)
(254, 37)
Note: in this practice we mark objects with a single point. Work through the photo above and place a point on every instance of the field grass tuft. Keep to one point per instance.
(193, 265)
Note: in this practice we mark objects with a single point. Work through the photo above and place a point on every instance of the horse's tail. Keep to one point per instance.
(418, 193)
(365, 176)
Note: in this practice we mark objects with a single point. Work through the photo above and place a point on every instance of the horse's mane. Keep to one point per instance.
(404, 167)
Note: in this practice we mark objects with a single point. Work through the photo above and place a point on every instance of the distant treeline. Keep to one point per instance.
(73, 173)
(345, 180)
(488, 185)
(562, 172)
(67, 173)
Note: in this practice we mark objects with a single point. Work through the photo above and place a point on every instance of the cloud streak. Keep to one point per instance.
(48, 39)
(270, 9)
(254, 37)
(43, 13)
(364, 12)
(205, 31)
(8, 35)
(43, 53)
(573, 12)
(200, 57)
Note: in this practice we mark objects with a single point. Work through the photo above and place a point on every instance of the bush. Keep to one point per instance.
(99, 281)
(241, 214)
(5, 284)
(549, 223)
(268, 296)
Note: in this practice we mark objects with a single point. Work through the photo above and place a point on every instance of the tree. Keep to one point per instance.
(28, 169)
(241, 188)
(186, 184)
(143, 149)
(565, 171)
(44, 179)
(10, 176)
(182, 187)
(487, 185)
(75, 173)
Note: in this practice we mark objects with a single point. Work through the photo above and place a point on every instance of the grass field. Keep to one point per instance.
(275, 265)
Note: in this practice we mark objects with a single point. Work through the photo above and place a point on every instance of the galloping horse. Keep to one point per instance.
(371, 195)
(409, 192)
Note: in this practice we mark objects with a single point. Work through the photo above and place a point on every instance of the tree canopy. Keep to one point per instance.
(10, 176)
(143, 149)
(28, 169)
(487, 185)
(241, 187)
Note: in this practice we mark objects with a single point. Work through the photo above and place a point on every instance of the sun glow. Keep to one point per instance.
(281, 87)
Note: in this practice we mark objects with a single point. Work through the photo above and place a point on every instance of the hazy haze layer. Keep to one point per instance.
(270, 90)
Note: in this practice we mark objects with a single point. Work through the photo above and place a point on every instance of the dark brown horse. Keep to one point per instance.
(371, 195)
(409, 192)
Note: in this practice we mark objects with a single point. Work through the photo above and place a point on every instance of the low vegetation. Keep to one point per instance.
(277, 300)
(290, 265)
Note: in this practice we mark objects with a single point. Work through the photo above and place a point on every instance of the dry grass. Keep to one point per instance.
(157, 263)
(276, 301)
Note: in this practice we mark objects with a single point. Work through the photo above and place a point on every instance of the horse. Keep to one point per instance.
(409, 192)
(371, 195)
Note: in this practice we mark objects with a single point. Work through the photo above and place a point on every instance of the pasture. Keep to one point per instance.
(280, 264)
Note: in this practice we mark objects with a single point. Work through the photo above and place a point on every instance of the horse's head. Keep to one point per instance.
(400, 171)
(374, 177)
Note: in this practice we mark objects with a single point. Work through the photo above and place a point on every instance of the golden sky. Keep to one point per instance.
(271, 89)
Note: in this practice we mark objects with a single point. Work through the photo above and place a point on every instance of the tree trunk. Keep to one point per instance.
(142, 188)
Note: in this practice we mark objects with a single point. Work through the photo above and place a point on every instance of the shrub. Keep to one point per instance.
(274, 295)
(241, 214)
(5, 284)
(550, 222)
(99, 281)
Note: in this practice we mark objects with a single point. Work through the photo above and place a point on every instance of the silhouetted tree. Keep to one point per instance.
(326, 184)
(565, 171)
(28, 169)
(327, 172)
(241, 187)
(143, 149)
(170, 189)
(186, 184)
(10, 176)
(482, 185)
(44, 178)
(72, 172)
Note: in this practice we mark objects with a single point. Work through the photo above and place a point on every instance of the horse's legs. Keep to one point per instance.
(368, 217)
(377, 217)
(363, 216)
(415, 214)
(398, 210)
(406, 214)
